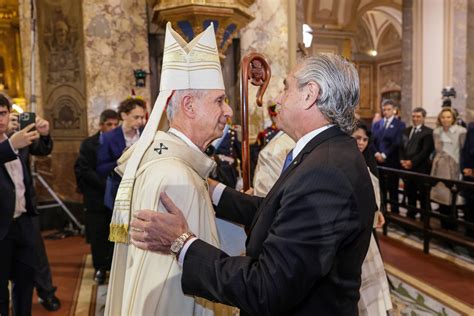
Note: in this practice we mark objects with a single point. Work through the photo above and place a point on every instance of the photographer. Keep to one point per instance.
(17, 237)
(43, 278)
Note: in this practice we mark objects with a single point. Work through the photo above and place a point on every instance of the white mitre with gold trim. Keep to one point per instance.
(193, 65)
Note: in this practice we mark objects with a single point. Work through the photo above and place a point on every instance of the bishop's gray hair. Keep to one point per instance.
(173, 103)
(338, 83)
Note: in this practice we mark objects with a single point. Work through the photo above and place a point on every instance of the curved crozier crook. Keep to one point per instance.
(255, 69)
(259, 74)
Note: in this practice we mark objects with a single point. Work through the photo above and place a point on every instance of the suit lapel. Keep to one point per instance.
(121, 138)
(315, 142)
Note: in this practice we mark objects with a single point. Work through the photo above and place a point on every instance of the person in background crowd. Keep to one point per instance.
(92, 186)
(270, 163)
(43, 276)
(467, 168)
(448, 141)
(387, 135)
(226, 152)
(377, 117)
(113, 143)
(265, 136)
(18, 233)
(374, 291)
(415, 150)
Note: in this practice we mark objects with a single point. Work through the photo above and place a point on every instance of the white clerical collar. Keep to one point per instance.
(184, 138)
(307, 138)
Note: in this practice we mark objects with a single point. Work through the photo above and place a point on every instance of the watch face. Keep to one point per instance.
(176, 246)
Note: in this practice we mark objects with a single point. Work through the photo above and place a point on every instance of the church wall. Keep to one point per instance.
(457, 43)
(407, 59)
(24, 12)
(267, 34)
(470, 64)
(115, 42)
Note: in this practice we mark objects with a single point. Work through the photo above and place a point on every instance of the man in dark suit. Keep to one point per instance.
(387, 136)
(92, 186)
(43, 276)
(415, 150)
(113, 143)
(309, 236)
(18, 233)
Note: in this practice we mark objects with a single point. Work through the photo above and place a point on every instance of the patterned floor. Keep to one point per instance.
(410, 296)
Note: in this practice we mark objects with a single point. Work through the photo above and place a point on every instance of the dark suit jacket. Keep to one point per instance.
(89, 182)
(308, 238)
(42, 146)
(388, 140)
(111, 148)
(418, 149)
(467, 156)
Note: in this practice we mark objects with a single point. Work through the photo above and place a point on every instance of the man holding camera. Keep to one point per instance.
(41, 147)
(18, 232)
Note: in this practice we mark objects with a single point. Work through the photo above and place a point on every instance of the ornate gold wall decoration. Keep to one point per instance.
(11, 73)
(61, 51)
(190, 17)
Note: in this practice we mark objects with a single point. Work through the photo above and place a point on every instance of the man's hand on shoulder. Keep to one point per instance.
(156, 231)
(24, 137)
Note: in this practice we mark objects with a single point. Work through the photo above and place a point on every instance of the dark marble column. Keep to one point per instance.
(407, 60)
(470, 63)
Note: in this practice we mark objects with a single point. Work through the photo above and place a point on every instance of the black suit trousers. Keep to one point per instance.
(43, 276)
(415, 192)
(18, 264)
(97, 226)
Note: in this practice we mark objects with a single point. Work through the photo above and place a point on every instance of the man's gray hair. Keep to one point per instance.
(173, 103)
(338, 83)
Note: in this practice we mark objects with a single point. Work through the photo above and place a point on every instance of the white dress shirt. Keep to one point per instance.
(129, 141)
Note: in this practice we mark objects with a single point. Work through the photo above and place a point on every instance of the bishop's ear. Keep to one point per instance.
(187, 105)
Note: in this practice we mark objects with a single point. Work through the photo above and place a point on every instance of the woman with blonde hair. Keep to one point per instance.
(448, 139)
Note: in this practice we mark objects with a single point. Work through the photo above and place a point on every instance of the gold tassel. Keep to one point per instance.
(119, 233)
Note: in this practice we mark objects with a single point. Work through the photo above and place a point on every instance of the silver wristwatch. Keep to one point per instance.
(178, 244)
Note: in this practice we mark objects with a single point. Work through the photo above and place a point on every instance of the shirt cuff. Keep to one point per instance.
(216, 195)
(14, 150)
(182, 254)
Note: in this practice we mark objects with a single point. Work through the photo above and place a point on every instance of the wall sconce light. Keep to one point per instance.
(140, 77)
(307, 35)
(372, 52)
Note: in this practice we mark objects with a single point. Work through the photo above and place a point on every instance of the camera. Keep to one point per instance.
(447, 93)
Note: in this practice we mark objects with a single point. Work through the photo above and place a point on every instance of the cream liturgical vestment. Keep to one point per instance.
(147, 283)
(143, 282)
(270, 163)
